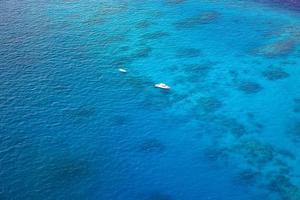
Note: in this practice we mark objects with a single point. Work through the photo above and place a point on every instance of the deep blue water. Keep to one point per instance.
(74, 127)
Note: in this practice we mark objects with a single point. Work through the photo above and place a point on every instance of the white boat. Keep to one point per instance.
(162, 86)
(122, 70)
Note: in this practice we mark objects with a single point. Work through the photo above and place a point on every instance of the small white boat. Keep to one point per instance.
(162, 86)
(122, 70)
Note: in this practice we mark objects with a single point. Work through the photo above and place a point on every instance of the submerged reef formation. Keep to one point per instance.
(95, 20)
(210, 104)
(275, 49)
(110, 39)
(159, 99)
(151, 145)
(175, 1)
(200, 19)
(121, 61)
(188, 53)
(155, 35)
(157, 196)
(247, 177)
(282, 42)
(194, 73)
(249, 87)
(112, 9)
(61, 87)
(64, 171)
(267, 166)
(80, 113)
(283, 186)
(295, 131)
(216, 155)
(119, 119)
(143, 24)
(255, 152)
(275, 74)
(296, 105)
(142, 53)
(231, 125)
(68, 170)
(200, 69)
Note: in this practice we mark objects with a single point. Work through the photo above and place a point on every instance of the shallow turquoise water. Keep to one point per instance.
(73, 127)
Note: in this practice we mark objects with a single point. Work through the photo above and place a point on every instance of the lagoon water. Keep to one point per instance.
(74, 127)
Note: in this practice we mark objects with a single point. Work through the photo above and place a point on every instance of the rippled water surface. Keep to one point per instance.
(73, 127)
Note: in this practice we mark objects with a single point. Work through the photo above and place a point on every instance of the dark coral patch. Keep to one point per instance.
(175, 1)
(276, 49)
(66, 170)
(155, 35)
(247, 177)
(287, 62)
(113, 39)
(210, 104)
(233, 126)
(158, 99)
(284, 187)
(111, 9)
(249, 87)
(196, 72)
(296, 105)
(61, 87)
(275, 74)
(121, 61)
(216, 155)
(200, 19)
(143, 24)
(95, 21)
(278, 183)
(158, 196)
(295, 131)
(199, 68)
(83, 112)
(142, 53)
(123, 49)
(119, 119)
(151, 145)
(255, 152)
(286, 154)
(188, 53)
(139, 83)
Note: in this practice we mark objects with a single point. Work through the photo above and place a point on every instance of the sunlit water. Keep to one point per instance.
(74, 127)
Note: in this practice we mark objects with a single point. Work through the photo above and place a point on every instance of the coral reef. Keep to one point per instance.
(188, 53)
(158, 196)
(249, 87)
(275, 49)
(81, 113)
(296, 108)
(152, 145)
(143, 24)
(283, 186)
(255, 152)
(200, 19)
(210, 104)
(275, 74)
(142, 53)
(63, 170)
(215, 154)
(247, 177)
(175, 1)
(112, 9)
(119, 119)
(155, 35)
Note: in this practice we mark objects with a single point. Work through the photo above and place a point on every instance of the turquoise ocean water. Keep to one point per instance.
(73, 127)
